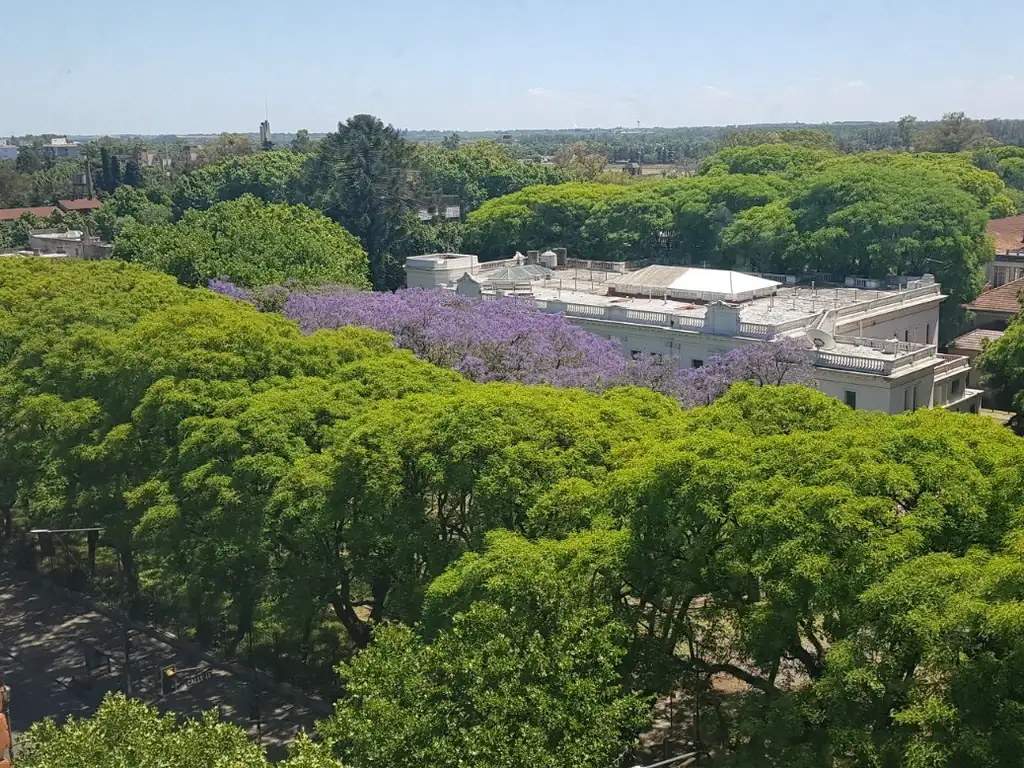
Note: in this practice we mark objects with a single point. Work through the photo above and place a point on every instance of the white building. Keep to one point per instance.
(8, 151)
(61, 147)
(1008, 237)
(874, 349)
(71, 243)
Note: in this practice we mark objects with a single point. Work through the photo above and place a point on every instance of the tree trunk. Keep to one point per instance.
(357, 629)
(130, 571)
(7, 517)
(245, 617)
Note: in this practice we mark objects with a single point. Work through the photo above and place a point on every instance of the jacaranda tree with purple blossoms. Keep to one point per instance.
(510, 340)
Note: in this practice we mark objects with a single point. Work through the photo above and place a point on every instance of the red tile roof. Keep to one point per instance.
(1005, 298)
(12, 214)
(975, 340)
(83, 204)
(1008, 233)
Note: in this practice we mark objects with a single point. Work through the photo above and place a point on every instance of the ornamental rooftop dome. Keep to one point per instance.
(692, 283)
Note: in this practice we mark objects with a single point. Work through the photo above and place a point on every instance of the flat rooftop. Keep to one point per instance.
(71, 234)
(788, 304)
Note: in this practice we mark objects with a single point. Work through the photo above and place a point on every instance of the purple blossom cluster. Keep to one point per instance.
(496, 340)
(508, 339)
(783, 361)
(229, 289)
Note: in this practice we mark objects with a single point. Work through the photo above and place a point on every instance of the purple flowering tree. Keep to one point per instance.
(508, 339)
(783, 361)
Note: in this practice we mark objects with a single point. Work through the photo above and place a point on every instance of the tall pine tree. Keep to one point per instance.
(105, 179)
(115, 172)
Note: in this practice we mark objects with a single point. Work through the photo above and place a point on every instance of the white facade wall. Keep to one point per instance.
(914, 323)
(64, 150)
(8, 152)
(914, 388)
(873, 393)
(435, 272)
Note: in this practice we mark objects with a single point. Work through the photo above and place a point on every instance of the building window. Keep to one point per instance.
(697, 363)
(906, 399)
(928, 333)
(954, 387)
(850, 398)
(913, 399)
(974, 408)
(906, 335)
(635, 354)
(656, 358)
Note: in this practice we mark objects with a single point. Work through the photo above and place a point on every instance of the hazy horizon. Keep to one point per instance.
(462, 131)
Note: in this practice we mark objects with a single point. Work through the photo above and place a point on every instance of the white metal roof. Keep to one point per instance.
(693, 283)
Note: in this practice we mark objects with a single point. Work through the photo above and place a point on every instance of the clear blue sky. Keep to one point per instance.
(124, 66)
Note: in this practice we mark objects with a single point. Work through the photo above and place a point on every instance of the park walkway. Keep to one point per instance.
(42, 634)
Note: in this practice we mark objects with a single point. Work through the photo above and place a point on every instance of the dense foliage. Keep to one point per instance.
(274, 177)
(816, 585)
(776, 208)
(478, 172)
(250, 242)
(390, 189)
(361, 176)
(1002, 366)
(127, 732)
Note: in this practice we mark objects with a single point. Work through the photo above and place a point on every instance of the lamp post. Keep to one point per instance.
(123, 607)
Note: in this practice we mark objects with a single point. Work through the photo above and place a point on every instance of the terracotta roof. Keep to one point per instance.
(1005, 298)
(1008, 233)
(84, 204)
(12, 214)
(975, 340)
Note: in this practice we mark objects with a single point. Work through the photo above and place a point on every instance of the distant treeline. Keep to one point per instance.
(679, 145)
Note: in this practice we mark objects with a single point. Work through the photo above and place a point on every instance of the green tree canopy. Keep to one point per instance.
(126, 206)
(1002, 365)
(274, 177)
(478, 172)
(361, 176)
(126, 732)
(249, 242)
(527, 674)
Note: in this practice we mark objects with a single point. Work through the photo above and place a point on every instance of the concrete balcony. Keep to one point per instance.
(876, 356)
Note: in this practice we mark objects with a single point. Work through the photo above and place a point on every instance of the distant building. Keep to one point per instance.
(1008, 265)
(447, 208)
(971, 345)
(995, 308)
(7, 151)
(71, 243)
(61, 147)
(265, 133)
(13, 214)
(82, 205)
(149, 158)
(992, 310)
(873, 349)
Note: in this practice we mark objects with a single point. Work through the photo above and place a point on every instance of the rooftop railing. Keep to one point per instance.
(951, 363)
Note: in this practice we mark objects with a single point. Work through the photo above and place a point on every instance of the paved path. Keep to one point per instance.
(41, 641)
